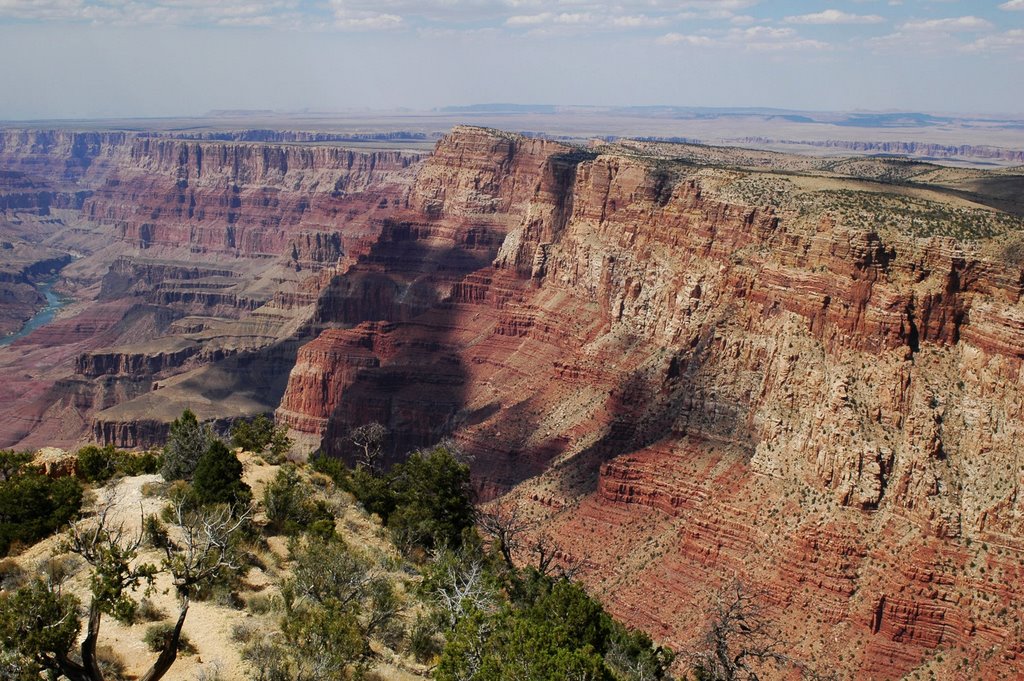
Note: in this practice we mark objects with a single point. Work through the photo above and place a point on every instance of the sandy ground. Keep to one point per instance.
(208, 625)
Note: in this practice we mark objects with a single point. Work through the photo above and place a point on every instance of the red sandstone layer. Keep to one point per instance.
(685, 389)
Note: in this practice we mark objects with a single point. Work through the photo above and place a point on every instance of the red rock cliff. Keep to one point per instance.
(684, 388)
(201, 261)
(248, 199)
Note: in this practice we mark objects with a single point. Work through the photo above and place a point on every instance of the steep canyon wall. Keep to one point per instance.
(198, 262)
(682, 389)
(679, 387)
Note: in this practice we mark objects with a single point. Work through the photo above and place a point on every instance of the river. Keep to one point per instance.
(54, 303)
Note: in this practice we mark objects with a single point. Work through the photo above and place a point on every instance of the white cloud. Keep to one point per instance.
(682, 39)
(834, 16)
(40, 9)
(528, 19)
(366, 21)
(155, 12)
(949, 25)
(753, 39)
(705, 5)
(461, 33)
(932, 35)
(998, 42)
(623, 15)
(1012, 5)
(374, 14)
(637, 21)
(547, 18)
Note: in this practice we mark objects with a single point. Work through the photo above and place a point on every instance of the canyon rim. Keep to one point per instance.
(685, 364)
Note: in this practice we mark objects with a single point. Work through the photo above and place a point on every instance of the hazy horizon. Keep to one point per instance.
(90, 59)
(464, 107)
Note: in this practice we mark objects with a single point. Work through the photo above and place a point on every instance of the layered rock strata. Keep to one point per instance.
(679, 386)
(682, 389)
(200, 263)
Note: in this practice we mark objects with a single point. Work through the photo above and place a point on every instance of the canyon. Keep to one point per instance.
(685, 364)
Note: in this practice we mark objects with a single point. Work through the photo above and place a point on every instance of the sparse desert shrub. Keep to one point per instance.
(210, 671)
(155, 489)
(243, 632)
(424, 642)
(262, 604)
(58, 569)
(290, 506)
(148, 611)
(110, 663)
(228, 597)
(332, 467)
(158, 635)
(267, 661)
(261, 437)
(12, 575)
(335, 604)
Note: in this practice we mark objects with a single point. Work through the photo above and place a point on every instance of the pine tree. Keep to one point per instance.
(187, 441)
(218, 477)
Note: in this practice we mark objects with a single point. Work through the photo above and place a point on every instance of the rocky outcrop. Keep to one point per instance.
(61, 158)
(56, 463)
(133, 434)
(19, 193)
(132, 276)
(129, 363)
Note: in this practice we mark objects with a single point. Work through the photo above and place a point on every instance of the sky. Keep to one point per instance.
(148, 58)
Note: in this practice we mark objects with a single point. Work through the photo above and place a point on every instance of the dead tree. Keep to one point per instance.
(505, 525)
(369, 440)
(460, 585)
(545, 552)
(507, 528)
(199, 549)
(740, 640)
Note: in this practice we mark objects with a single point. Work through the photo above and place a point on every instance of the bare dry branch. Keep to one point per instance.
(740, 641)
(504, 524)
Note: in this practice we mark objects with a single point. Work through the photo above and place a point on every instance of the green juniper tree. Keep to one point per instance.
(217, 478)
(187, 441)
